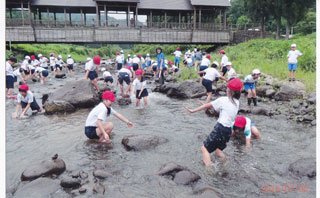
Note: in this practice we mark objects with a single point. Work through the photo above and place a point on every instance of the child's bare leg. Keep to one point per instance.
(121, 89)
(7, 92)
(11, 92)
(209, 94)
(289, 74)
(128, 89)
(221, 155)
(294, 74)
(255, 132)
(137, 102)
(108, 127)
(95, 84)
(145, 100)
(249, 93)
(253, 91)
(205, 156)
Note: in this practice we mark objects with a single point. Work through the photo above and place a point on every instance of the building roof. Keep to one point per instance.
(210, 3)
(64, 3)
(165, 4)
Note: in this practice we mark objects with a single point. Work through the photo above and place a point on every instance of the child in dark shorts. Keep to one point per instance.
(139, 84)
(228, 108)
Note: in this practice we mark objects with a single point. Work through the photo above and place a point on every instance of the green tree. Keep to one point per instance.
(308, 24)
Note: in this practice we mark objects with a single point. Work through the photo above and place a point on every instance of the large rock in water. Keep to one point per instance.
(179, 174)
(142, 142)
(79, 94)
(304, 167)
(186, 89)
(45, 168)
(287, 93)
(262, 90)
(39, 188)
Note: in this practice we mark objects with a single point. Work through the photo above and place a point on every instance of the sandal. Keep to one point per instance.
(289, 79)
(293, 79)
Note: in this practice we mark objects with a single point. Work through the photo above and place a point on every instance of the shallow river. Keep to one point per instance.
(39, 137)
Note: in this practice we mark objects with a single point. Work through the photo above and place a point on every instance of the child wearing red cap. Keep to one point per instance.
(243, 127)
(92, 70)
(26, 100)
(228, 107)
(139, 85)
(124, 74)
(96, 127)
(177, 55)
(224, 60)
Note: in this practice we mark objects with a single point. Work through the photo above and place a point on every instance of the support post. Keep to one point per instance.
(105, 15)
(55, 18)
(199, 18)
(65, 17)
(179, 19)
(97, 13)
(220, 19)
(165, 19)
(128, 15)
(10, 10)
(70, 19)
(48, 19)
(151, 19)
(225, 19)
(30, 14)
(194, 18)
(81, 16)
(136, 20)
(85, 18)
(22, 13)
(40, 20)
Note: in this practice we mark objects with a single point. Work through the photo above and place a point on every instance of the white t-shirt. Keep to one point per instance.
(17, 72)
(247, 128)
(224, 60)
(148, 59)
(39, 69)
(228, 110)
(177, 53)
(189, 60)
(98, 113)
(35, 62)
(205, 62)
(106, 74)
(125, 70)
(52, 61)
(142, 60)
(122, 56)
(59, 62)
(293, 56)
(129, 60)
(136, 60)
(31, 67)
(70, 61)
(25, 65)
(139, 84)
(174, 67)
(119, 59)
(9, 69)
(231, 73)
(211, 74)
(43, 62)
(90, 66)
(27, 99)
(249, 79)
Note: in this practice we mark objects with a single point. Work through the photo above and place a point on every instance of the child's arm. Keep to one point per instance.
(105, 134)
(87, 74)
(201, 72)
(223, 78)
(25, 110)
(248, 145)
(202, 107)
(15, 114)
(142, 88)
(122, 118)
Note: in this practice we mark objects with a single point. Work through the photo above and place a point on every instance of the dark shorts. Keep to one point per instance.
(9, 82)
(218, 138)
(203, 68)
(45, 73)
(93, 75)
(59, 66)
(15, 79)
(135, 66)
(119, 66)
(143, 94)
(46, 67)
(52, 68)
(32, 71)
(207, 84)
(26, 72)
(70, 67)
(90, 132)
(154, 68)
(108, 79)
(124, 77)
(224, 70)
(176, 70)
(34, 105)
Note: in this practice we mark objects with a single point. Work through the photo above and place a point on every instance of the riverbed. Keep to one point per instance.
(38, 137)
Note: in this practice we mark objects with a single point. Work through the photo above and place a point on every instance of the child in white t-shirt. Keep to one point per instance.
(231, 72)
(293, 56)
(107, 77)
(139, 84)
(96, 128)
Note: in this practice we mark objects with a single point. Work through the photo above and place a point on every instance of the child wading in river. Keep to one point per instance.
(228, 107)
(26, 100)
(91, 71)
(96, 127)
(139, 84)
(243, 127)
(250, 86)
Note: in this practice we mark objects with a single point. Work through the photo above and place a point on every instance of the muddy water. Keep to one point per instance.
(40, 136)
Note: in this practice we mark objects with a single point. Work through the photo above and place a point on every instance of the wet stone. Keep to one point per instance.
(69, 182)
(99, 189)
(305, 167)
(100, 173)
(142, 142)
(39, 188)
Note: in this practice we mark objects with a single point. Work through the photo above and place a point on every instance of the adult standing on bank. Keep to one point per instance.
(224, 60)
(161, 63)
(293, 56)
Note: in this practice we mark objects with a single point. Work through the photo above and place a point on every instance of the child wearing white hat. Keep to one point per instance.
(293, 56)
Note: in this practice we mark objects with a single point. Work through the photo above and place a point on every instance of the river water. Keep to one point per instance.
(40, 136)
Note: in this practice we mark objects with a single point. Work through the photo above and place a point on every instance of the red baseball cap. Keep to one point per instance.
(108, 95)
(240, 122)
(129, 67)
(139, 55)
(97, 60)
(24, 87)
(235, 84)
(222, 52)
(178, 48)
(117, 53)
(33, 57)
(208, 56)
(139, 72)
